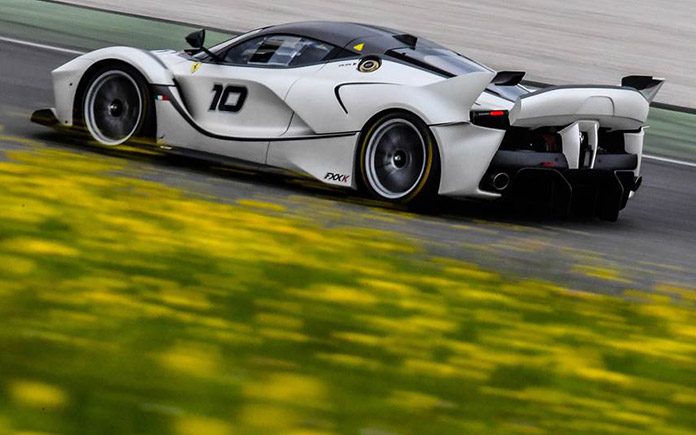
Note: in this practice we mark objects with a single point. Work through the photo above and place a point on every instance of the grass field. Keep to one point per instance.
(129, 307)
(671, 134)
(86, 29)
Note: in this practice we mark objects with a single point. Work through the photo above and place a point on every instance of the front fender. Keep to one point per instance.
(151, 66)
(67, 78)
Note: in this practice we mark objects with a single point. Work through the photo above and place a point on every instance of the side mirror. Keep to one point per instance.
(196, 39)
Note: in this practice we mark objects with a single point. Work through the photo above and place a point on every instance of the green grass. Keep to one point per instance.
(129, 307)
(87, 29)
(671, 134)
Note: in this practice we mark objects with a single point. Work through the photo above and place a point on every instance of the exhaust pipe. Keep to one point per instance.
(501, 181)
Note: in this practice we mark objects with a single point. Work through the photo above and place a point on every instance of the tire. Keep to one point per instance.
(398, 159)
(117, 106)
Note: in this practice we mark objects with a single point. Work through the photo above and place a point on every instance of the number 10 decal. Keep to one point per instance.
(222, 97)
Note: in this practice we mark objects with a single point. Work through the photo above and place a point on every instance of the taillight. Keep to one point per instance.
(491, 119)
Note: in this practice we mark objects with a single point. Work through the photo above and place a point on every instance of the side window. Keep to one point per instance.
(280, 51)
(242, 53)
(310, 52)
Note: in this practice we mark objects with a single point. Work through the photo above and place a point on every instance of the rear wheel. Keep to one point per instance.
(398, 159)
(117, 106)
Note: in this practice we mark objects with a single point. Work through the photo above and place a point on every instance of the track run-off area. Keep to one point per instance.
(147, 293)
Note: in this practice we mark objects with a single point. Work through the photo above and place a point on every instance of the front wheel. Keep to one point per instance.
(116, 106)
(398, 159)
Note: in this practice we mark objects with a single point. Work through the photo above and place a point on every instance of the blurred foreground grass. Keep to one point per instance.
(129, 307)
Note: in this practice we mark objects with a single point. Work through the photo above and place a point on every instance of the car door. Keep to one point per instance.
(242, 96)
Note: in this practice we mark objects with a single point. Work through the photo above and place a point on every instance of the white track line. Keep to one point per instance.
(43, 46)
(69, 51)
(672, 161)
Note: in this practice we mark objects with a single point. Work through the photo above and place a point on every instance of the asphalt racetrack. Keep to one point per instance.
(652, 243)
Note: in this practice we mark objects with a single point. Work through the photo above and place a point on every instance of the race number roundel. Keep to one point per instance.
(369, 64)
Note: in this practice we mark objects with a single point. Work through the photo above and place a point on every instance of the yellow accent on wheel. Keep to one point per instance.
(398, 171)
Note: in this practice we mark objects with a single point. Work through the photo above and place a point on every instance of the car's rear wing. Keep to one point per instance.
(614, 107)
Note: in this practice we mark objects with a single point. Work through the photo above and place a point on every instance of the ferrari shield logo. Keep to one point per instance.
(195, 67)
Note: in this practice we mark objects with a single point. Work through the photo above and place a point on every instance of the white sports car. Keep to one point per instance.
(369, 108)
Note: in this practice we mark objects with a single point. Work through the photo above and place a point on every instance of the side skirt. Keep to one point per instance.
(45, 117)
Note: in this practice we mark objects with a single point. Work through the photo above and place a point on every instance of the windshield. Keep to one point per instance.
(219, 47)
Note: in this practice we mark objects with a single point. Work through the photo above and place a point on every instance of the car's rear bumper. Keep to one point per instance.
(543, 181)
(515, 160)
(577, 192)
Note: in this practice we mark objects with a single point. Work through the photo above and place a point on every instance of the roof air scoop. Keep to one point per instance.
(407, 39)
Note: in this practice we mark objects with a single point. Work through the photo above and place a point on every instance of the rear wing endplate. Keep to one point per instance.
(647, 85)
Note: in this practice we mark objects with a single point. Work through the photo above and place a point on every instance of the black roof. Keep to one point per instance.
(365, 39)
(342, 34)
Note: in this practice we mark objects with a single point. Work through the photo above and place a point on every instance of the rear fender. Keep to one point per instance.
(340, 98)
(442, 102)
